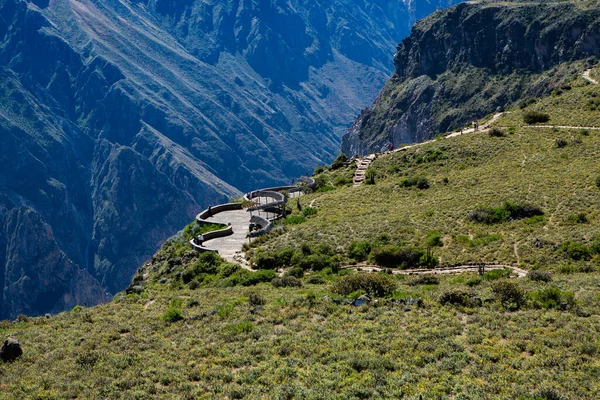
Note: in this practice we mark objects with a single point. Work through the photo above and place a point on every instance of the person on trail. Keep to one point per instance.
(461, 130)
(209, 211)
(391, 146)
(200, 239)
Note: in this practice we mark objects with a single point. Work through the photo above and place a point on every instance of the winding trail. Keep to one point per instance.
(457, 269)
(587, 77)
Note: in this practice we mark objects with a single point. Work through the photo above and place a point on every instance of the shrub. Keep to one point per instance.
(496, 132)
(359, 251)
(247, 278)
(319, 170)
(370, 176)
(315, 279)
(508, 211)
(339, 161)
(575, 251)
(434, 239)
(539, 276)
(424, 280)
(317, 262)
(560, 143)
(373, 284)
(473, 282)
(533, 117)
(510, 295)
(428, 260)
(309, 212)
(422, 183)
(497, 274)
(551, 297)
(255, 299)
(193, 285)
(580, 218)
(286, 281)
(392, 256)
(266, 261)
(456, 297)
(296, 272)
(174, 312)
(225, 270)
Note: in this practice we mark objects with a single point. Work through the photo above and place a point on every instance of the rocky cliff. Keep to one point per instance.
(463, 63)
(121, 119)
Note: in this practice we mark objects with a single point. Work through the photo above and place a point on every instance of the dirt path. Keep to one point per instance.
(587, 77)
(520, 273)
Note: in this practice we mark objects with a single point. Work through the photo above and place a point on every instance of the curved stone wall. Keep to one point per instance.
(265, 224)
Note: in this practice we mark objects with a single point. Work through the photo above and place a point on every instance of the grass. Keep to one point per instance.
(304, 346)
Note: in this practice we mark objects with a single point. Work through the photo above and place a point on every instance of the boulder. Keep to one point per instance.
(11, 350)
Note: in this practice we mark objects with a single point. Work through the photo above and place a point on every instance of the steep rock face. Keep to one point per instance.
(121, 119)
(470, 60)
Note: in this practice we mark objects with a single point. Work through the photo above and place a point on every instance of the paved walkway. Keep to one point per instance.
(230, 247)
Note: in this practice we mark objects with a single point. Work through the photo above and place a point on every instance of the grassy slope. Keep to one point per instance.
(481, 170)
(305, 347)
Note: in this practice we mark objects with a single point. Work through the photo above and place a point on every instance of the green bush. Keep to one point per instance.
(539, 276)
(370, 176)
(319, 170)
(598, 181)
(422, 183)
(424, 280)
(508, 211)
(373, 284)
(265, 260)
(560, 143)
(510, 295)
(392, 256)
(533, 117)
(497, 274)
(286, 281)
(317, 262)
(339, 161)
(296, 272)
(246, 278)
(575, 251)
(434, 239)
(174, 312)
(496, 132)
(551, 297)
(579, 218)
(255, 299)
(456, 297)
(419, 182)
(225, 270)
(315, 279)
(309, 212)
(359, 251)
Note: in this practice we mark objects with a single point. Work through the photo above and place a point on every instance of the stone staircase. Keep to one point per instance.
(362, 165)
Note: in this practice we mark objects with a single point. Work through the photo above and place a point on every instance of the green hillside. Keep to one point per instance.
(197, 327)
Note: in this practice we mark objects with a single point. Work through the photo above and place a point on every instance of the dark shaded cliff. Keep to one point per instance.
(121, 119)
(463, 63)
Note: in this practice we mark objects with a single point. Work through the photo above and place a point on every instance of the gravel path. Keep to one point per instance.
(520, 273)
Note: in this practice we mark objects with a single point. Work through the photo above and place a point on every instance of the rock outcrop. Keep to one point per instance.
(120, 119)
(471, 60)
